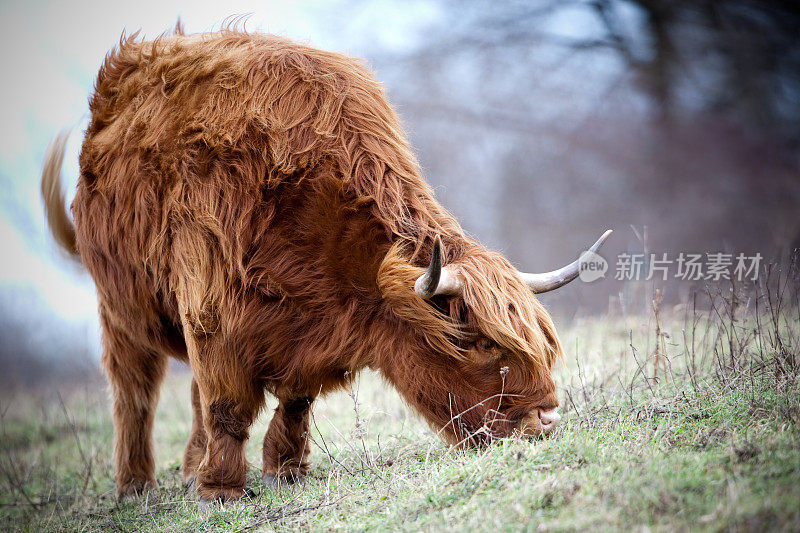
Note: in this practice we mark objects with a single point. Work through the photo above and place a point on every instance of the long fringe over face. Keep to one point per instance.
(496, 303)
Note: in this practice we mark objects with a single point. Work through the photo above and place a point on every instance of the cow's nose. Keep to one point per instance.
(540, 422)
(549, 420)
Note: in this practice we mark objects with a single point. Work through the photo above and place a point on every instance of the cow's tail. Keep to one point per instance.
(58, 220)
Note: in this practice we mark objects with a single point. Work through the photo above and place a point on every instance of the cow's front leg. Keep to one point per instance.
(222, 473)
(287, 442)
(230, 398)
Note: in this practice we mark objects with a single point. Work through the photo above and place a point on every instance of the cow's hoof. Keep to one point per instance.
(205, 506)
(271, 480)
(135, 488)
(208, 498)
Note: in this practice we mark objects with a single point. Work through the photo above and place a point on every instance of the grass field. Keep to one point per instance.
(688, 420)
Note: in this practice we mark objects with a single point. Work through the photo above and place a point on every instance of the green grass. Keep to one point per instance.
(706, 447)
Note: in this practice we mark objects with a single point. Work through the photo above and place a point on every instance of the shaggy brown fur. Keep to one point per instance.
(251, 205)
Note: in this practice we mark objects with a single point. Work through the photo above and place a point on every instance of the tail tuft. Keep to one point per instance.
(58, 220)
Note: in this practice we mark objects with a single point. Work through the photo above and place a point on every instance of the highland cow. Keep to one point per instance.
(251, 205)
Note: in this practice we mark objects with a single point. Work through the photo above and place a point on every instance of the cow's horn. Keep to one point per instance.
(558, 278)
(438, 279)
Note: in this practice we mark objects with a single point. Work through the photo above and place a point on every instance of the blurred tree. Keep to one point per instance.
(741, 56)
(737, 55)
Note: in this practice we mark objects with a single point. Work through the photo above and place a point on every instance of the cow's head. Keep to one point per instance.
(480, 363)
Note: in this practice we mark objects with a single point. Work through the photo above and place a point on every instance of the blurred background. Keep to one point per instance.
(539, 123)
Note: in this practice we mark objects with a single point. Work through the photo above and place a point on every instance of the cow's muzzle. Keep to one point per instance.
(540, 422)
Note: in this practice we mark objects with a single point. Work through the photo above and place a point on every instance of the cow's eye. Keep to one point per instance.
(485, 344)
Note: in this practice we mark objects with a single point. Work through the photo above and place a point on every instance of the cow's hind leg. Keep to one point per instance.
(196, 447)
(287, 441)
(135, 374)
